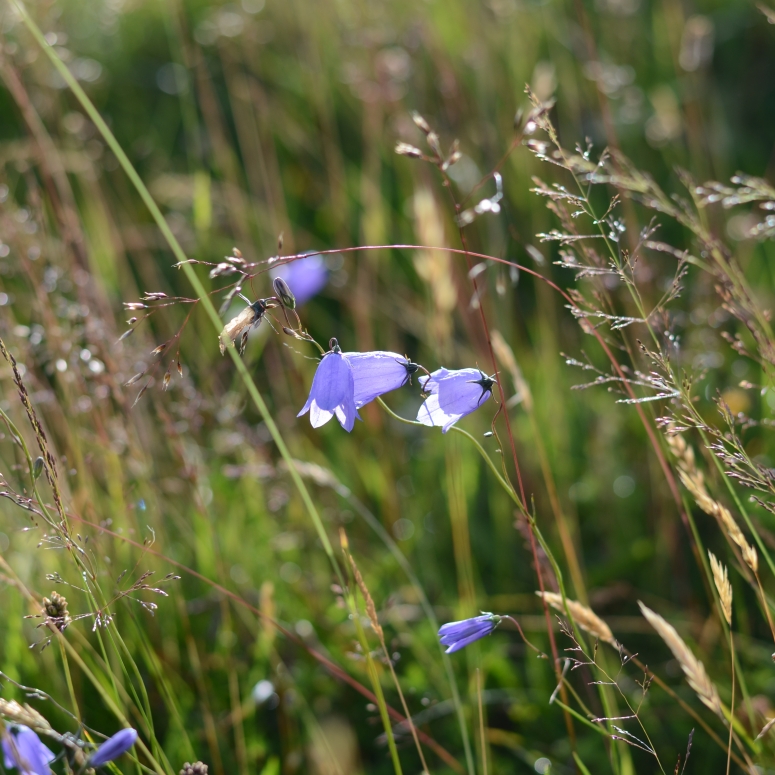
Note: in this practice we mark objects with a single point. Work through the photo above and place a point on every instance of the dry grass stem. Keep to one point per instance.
(693, 669)
(723, 586)
(585, 617)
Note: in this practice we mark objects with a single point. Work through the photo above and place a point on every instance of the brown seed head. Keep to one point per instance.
(55, 611)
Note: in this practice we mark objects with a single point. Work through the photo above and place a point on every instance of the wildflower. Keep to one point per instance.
(378, 372)
(332, 392)
(23, 750)
(306, 276)
(113, 747)
(453, 395)
(458, 635)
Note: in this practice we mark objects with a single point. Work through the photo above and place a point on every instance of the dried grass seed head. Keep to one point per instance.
(12, 711)
(724, 588)
(694, 670)
(585, 617)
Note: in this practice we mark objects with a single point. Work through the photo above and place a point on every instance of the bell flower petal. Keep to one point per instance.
(453, 395)
(113, 747)
(23, 750)
(332, 393)
(458, 635)
(431, 384)
(378, 372)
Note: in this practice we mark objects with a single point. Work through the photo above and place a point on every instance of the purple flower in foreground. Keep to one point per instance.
(457, 635)
(453, 395)
(332, 392)
(378, 372)
(23, 750)
(306, 276)
(113, 747)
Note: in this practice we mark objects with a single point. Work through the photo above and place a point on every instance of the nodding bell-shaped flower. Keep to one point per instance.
(306, 276)
(458, 635)
(378, 372)
(113, 747)
(453, 395)
(333, 391)
(23, 750)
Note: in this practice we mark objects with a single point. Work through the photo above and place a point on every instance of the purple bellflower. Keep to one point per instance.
(23, 750)
(458, 635)
(378, 372)
(306, 276)
(453, 395)
(333, 391)
(113, 747)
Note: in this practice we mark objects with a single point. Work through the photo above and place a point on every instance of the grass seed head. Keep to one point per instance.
(585, 617)
(723, 586)
(693, 669)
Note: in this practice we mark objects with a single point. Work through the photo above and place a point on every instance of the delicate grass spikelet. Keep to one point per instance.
(55, 611)
(694, 481)
(12, 711)
(692, 667)
(371, 609)
(585, 617)
(505, 356)
(722, 585)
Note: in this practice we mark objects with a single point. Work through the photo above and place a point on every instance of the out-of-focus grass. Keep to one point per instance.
(247, 122)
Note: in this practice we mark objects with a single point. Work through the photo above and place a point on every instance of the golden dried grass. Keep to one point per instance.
(694, 670)
(585, 617)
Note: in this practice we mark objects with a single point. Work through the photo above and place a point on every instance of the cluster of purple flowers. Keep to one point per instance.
(344, 382)
(24, 751)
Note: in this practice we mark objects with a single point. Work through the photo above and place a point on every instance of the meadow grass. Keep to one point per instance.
(181, 554)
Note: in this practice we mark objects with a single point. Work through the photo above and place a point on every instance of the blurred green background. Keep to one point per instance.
(252, 120)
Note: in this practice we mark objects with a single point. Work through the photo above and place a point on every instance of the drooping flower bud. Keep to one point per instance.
(284, 293)
(113, 747)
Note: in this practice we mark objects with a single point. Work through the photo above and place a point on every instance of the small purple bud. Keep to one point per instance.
(113, 747)
(458, 635)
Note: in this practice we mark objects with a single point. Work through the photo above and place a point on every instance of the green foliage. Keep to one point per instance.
(251, 649)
